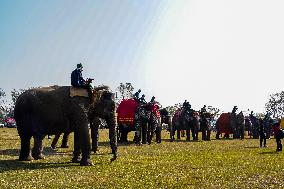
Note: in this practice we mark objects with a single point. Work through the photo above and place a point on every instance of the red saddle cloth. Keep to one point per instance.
(126, 110)
(223, 123)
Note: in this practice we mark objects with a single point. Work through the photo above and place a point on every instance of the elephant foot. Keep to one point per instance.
(114, 157)
(76, 160)
(64, 146)
(86, 162)
(38, 156)
(28, 158)
(144, 142)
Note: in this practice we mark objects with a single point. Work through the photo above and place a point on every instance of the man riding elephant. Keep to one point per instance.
(185, 119)
(78, 81)
(52, 110)
(233, 121)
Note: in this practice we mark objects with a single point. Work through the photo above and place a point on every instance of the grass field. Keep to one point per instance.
(179, 164)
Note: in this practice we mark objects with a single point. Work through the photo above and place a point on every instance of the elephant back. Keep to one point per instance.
(126, 111)
(223, 123)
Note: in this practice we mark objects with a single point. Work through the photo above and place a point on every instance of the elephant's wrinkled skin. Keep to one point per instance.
(49, 111)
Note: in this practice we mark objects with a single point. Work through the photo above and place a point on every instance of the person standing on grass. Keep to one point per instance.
(262, 136)
(278, 135)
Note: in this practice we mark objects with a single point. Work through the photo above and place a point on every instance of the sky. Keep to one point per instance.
(221, 53)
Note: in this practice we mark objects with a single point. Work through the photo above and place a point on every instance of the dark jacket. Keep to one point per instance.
(77, 79)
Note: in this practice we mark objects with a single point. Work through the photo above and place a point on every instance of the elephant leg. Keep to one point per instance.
(77, 150)
(158, 134)
(172, 134)
(187, 134)
(144, 133)
(178, 134)
(37, 149)
(203, 134)
(55, 140)
(138, 134)
(85, 144)
(192, 134)
(64, 143)
(112, 136)
(25, 148)
(196, 135)
(95, 134)
(124, 134)
(208, 135)
(217, 135)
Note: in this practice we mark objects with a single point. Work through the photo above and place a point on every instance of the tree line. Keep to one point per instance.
(275, 104)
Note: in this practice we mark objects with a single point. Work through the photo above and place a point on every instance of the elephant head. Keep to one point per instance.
(103, 106)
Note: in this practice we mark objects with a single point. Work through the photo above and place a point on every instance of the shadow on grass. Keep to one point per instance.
(184, 140)
(10, 152)
(270, 152)
(46, 151)
(12, 165)
(251, 147)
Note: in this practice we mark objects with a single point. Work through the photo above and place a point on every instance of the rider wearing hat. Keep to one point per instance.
(136, 95)
(153, 99)
(76, 77)
(142, 99)
(78, 81)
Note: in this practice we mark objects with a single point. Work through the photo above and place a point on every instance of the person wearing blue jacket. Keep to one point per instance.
(76, 77)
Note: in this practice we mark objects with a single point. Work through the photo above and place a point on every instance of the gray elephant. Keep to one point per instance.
(185, 120)
(147, 123)
(205, 126)
(52, 110)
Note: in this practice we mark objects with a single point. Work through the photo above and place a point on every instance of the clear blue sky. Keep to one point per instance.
(221, 53)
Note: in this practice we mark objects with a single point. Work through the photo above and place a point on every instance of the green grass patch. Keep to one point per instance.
(179, 164)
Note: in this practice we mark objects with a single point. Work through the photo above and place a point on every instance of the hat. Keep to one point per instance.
(79, 65)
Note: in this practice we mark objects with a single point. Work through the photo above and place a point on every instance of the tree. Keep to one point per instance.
(14, 94)
(172, 109)
(125, 91)
(214, 111)
(2, 104)
(275, 105)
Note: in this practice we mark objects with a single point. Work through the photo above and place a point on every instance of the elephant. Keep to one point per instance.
(52, 110)
(185, 120)
(166, 118)
(147, 122)
(205, 126)
(231, 123)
